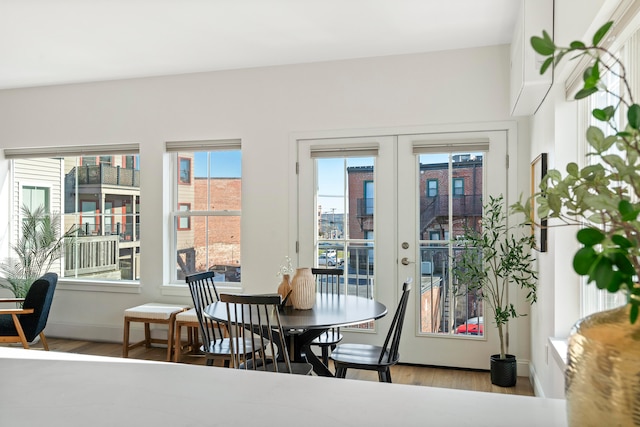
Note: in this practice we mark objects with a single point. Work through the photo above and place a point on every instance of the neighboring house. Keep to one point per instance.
(35, 183)
(102, 201)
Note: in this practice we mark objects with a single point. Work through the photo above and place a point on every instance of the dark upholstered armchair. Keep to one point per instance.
(24, 324)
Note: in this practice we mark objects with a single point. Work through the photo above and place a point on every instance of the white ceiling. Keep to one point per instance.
(46, 42)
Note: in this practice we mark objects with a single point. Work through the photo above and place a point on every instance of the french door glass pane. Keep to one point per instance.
(346, 211)
(446, 307)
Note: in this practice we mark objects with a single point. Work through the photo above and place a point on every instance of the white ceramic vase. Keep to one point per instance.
(303, 289)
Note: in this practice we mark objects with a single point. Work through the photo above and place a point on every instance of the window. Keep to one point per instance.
(34, 197)
(368, 197)
(131, 162)
(96, 205)
(207, 209)
(185, 170)
(592, 298)
(458, 186)
(184, 222)
(432, 188)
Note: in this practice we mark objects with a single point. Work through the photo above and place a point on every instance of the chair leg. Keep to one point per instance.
(44, 341)
(384, 376)
(341, 372)
(18, 326)
(325, 355)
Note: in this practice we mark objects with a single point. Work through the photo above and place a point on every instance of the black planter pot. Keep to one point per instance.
(504, 372)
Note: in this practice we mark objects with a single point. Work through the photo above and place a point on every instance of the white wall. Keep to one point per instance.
(263, 107)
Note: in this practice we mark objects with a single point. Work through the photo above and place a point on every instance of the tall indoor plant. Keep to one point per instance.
(603, 373)
(497, 258)
(39, 246)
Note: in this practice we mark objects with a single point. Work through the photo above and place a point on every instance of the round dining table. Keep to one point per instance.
(303, 326)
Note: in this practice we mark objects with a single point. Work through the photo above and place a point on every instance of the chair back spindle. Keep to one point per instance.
(203, 293)
(254, 324)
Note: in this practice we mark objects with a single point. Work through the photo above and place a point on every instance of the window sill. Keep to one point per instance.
(558, 348)
(99, 286)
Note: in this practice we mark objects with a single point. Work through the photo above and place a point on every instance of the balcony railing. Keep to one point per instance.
(106, 175)
(90, 255)
(124, 232)
(365, 207)
(465, 206)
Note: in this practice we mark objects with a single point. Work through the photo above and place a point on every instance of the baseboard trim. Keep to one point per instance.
(535, 383)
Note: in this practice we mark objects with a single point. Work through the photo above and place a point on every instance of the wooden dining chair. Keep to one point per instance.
(215, 345)
(258, 316)
(372, 357)
(328, 283)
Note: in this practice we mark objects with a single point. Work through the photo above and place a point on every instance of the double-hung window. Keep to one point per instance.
(206, 208)
(593, 299)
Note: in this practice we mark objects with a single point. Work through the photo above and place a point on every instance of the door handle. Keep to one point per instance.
(405, 261)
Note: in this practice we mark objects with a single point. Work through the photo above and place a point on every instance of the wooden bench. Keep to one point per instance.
(164, 314)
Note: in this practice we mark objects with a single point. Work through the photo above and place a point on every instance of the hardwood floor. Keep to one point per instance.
(401, 374)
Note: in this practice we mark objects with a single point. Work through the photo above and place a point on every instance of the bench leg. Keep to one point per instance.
(125, 340)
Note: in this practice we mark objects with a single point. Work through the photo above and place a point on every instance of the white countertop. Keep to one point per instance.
(63, 389)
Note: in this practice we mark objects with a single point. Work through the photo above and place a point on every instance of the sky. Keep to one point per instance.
(224, 164)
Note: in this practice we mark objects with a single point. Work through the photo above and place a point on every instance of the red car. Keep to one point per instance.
(473, 326)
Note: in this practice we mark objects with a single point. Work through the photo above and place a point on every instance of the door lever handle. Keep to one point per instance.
(405, 261)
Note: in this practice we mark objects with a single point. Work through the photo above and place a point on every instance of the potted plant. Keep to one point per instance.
(603, 198)
(39, 246)
(495, 259)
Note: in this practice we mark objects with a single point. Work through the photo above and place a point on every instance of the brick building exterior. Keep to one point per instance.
(223, 236)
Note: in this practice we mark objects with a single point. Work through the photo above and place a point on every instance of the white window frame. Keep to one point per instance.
(177, 287)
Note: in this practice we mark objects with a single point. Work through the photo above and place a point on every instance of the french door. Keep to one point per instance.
(389, 208)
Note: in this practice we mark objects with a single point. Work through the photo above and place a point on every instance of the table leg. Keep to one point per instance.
(302, 351)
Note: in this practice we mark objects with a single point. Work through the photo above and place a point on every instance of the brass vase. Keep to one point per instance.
(303, 289)
(602, 380)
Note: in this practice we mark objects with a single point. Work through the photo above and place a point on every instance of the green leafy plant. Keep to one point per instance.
(603, 196)
(495, 257)
(38, 247)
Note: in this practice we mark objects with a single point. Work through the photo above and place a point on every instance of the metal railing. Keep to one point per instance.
(90, 255)
(125, 232)
(106, 175)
